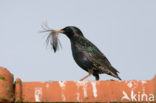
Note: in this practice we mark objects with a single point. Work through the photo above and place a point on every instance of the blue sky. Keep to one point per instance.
(124, 30)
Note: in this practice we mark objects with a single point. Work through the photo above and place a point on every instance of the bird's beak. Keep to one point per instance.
(59, 31)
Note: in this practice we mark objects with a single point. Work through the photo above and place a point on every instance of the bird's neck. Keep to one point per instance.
(75, 39)
(74, 36)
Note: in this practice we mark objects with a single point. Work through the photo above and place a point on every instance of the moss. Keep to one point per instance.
(155, 93)
(5, 99)
(2, 78)
(18, 82)
(19, 101)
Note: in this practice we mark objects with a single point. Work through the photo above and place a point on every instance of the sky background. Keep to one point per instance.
(124, 30)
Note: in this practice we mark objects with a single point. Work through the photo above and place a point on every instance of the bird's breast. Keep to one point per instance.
(82, 60)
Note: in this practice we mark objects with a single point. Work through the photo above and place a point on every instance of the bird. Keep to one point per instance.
(87, 55)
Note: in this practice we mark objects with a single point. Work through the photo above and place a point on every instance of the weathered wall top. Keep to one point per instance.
(76, 91)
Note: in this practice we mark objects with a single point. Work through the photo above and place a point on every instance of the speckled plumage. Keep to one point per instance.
(87, 55)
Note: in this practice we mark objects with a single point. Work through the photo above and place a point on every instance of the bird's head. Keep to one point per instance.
(70, 31)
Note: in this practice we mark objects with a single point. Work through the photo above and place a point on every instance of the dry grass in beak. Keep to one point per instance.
(52, 38)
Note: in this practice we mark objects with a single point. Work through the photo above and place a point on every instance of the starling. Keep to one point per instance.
(87, 55)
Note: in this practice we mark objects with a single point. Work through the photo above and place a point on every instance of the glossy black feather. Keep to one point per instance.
(87, 55)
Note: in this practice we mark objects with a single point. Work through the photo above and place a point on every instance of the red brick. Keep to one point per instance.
(77, 91)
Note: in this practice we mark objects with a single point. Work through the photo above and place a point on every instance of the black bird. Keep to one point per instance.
(87, 55)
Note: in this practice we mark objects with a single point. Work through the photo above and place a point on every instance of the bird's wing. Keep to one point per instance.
(94, 54)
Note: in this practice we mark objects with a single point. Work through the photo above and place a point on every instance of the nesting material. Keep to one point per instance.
(52, 38)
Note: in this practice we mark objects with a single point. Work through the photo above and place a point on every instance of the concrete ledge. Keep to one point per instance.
(77, 91)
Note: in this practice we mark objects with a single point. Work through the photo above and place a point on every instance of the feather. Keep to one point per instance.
(52, 38)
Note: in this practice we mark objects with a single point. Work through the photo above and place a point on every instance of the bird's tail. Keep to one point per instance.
(114, 73)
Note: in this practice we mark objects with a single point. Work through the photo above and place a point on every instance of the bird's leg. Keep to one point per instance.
(86, 77)
(96, 76)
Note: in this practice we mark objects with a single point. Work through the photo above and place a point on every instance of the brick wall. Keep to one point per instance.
(75, 91)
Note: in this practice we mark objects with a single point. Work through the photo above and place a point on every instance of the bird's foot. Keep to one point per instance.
(111, 80)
